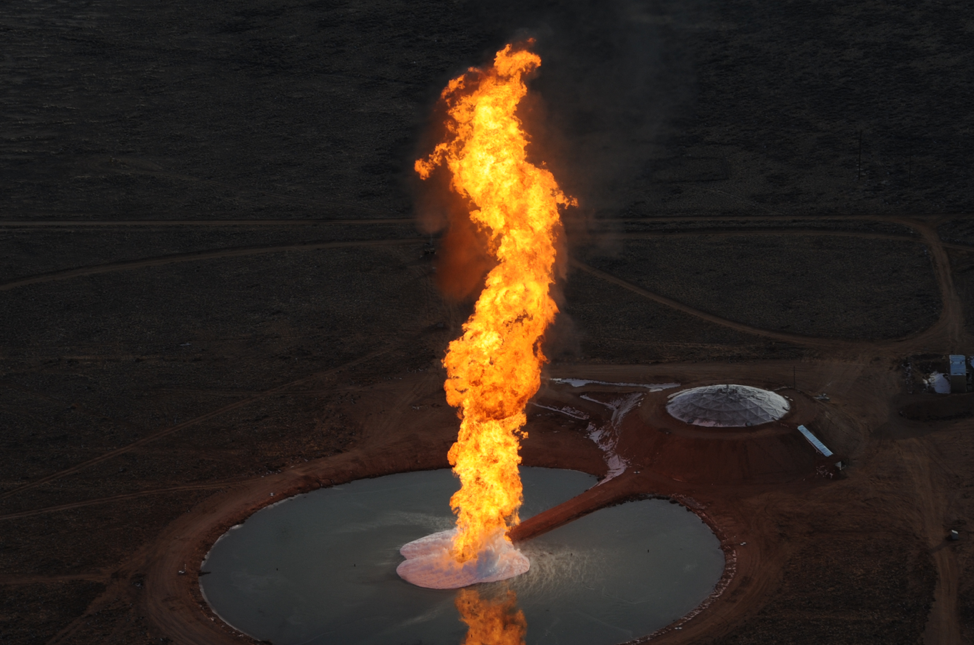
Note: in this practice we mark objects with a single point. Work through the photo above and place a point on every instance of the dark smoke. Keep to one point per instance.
(607, 84)
(594, 115)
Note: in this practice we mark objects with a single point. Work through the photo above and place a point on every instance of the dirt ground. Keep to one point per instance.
(213, 287)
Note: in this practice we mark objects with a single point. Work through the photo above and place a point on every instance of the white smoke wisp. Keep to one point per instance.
(429, 562)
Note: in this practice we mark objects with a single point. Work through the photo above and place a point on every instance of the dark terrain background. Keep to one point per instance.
(202, 202)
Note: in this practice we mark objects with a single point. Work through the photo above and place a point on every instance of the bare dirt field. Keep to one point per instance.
(213, 287)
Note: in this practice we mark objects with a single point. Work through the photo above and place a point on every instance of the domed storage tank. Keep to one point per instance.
(727, 406)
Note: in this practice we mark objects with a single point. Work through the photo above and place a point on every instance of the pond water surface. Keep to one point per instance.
(321, 567)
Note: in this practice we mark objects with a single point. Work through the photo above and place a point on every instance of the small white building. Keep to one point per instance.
(958, 373)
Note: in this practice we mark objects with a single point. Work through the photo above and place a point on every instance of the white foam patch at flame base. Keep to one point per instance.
(430, 564)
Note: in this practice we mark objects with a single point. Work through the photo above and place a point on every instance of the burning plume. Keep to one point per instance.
(495, 367)
(491, 622)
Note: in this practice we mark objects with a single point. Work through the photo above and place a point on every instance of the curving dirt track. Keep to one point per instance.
(186, 424)
(195, 257)
(673, 304)
(190, 223)
(115, 498)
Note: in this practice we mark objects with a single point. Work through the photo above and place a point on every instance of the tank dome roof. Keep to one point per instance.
(727, 406)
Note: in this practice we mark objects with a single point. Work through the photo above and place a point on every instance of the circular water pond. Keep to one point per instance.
(321, 567)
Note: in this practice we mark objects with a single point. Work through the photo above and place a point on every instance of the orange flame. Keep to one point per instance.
(495, 367)
(497, 622)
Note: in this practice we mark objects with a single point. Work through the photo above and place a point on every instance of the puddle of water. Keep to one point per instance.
(606, 437)
(321, 567)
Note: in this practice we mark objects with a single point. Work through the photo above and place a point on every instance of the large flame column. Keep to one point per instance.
(495, 367)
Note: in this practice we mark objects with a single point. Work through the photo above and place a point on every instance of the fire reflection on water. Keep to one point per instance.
(491, 621)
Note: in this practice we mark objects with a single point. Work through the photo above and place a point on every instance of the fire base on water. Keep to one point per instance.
(430, 563)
